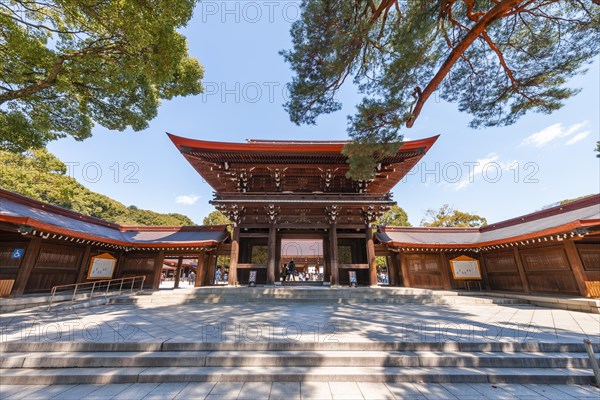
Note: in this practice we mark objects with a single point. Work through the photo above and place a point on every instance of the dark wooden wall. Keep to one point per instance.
(502, 271)
(57, 264)
(424, 270)
(137, 264)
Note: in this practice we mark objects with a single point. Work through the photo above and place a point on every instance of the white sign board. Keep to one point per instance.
(252, 277)
(102, 267)
(465, 269)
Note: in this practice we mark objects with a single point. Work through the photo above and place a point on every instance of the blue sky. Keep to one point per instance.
(497, 173)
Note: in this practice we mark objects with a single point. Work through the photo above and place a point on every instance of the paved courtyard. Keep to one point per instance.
(305, 390)
(305, 322)
(301, 321)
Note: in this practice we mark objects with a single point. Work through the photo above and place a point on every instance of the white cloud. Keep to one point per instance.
(187, 200)
(489, 168)
(579, 137)
(553, 132)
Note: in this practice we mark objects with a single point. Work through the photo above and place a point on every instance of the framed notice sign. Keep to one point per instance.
(252, 278)
(102, 266)
(465, 268)
(352, 277)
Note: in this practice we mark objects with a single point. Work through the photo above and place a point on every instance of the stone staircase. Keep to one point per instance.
(314, 294)
(102, 363)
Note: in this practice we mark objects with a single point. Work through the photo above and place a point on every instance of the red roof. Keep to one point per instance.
(288, 146)
(583, 213)
(48, 218)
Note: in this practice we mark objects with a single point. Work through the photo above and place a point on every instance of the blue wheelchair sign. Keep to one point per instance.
(17, 253)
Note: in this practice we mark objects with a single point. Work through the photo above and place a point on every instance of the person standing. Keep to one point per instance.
(291, 270)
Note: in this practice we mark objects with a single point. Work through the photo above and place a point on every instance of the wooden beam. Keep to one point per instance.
(577, 267)
(272, 254)
(521, 270)
(333, 255)
(445, 271)
(201, 269)
(210, 269)
(235, 252)
(178, 273)
(158, 263)
(484, 274)
(392, 270)
(401, 257)
(371, 257)
(31, 254)
(85, 262)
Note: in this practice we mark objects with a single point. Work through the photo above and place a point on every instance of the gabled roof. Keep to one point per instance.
(547, 223)
(50, 219)
(267, 165)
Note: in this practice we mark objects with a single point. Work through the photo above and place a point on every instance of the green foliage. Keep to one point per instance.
(216, 218)
(575, 199)
(395, 216)
(42, 176)
(447, 216)
(67, 65)
(497, 59)
(598, 149)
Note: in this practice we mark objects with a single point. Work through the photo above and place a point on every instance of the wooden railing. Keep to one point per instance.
(87, 290)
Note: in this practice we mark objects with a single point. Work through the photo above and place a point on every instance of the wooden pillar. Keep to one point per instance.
(392, 270)
(235, 252)
(401, 257)
(178, 273)
(577, 267)
(31, 254)
(484, 274)
(201, 268)
(444, 270)
(211, 262)
(120, 265)
(158, 264)
(371, 257)
(333, 255)
(85, 263)
(521, 270)
(272, 254)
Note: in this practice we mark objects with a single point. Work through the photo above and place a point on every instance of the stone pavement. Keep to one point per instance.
(297, 321)
(296, 390)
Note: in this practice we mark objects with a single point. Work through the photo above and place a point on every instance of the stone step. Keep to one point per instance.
(292, 359)
(309, 346)
(306, 298)
(27, 376)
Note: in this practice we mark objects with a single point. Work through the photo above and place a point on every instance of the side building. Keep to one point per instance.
(42, 245)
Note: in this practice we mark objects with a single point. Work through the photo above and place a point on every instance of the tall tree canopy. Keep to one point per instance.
(65, 65)
(216, 217)
(42, 176)
(497, 59)
(395, 216)
(447, 216)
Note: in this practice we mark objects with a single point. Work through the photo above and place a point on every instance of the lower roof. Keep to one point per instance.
(582, 216)
(44, 218)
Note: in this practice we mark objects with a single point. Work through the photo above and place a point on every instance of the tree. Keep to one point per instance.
(447, 216)
(42, 176)
(67, 65)
(395, 216)
(216, 218)
(498, 59)
(598, 149)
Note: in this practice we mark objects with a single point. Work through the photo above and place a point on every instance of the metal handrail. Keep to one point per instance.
(95, 286)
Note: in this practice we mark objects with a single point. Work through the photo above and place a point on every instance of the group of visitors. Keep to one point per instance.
(289, 273)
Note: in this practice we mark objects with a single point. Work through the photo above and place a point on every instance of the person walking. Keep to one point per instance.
(291, 270)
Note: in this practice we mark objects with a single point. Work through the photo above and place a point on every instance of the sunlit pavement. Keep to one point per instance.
(297, 390)
(306, 322)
